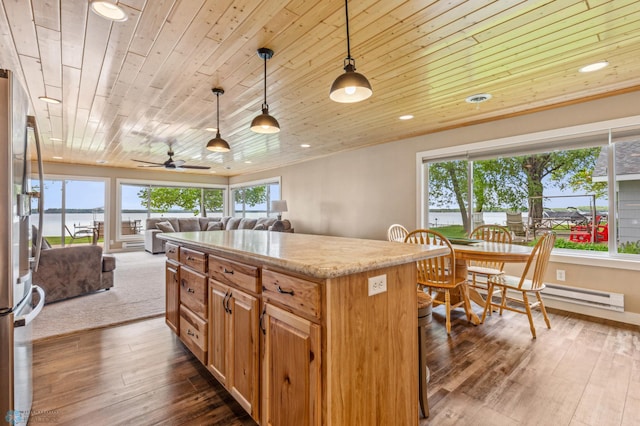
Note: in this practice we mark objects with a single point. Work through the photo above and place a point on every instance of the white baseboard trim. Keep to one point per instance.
(626, 317)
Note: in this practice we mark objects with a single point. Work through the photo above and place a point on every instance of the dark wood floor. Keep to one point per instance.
(581, 372)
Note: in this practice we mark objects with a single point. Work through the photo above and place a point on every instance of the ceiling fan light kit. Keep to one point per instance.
(265, 123)
(218, 144)
(351, 86)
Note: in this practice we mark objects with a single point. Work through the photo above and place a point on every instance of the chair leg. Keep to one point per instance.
(525, 299)
(487, 304)
(503, 300)
(543, 309)
(447, 310)
(464, 293)
(423, 371)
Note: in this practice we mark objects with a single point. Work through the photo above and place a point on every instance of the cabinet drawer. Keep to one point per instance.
(171, 250)
(235, 274)
(300, 295)
(196, 260)
(193, 332)
(193, 291)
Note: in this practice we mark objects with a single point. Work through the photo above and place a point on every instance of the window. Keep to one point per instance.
(585, 186)
(139, 201)
(253, 199)
(73, 209)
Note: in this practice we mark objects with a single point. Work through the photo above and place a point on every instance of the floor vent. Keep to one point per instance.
(132, 244)
(582, 296)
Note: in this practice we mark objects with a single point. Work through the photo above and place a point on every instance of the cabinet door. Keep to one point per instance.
(172, 282)
(243, 345)
(217, 363)
(290, 370)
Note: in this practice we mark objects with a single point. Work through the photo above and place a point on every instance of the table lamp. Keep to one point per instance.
(279, 206)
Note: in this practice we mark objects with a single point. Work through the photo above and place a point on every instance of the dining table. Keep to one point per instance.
(467, 250)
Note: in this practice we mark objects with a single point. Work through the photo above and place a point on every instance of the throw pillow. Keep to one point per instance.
(247, 223)
(260, 227)
(214, 226)
(165, 227)
(233, 223)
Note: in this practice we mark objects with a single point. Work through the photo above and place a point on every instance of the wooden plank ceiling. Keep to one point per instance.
(130, 89)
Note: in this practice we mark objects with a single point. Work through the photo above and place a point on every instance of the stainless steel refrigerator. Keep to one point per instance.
(16, 290)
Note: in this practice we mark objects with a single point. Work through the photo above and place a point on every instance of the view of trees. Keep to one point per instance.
(516, 183)
(198, 200)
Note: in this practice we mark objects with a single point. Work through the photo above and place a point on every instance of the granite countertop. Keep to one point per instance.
(312, 255)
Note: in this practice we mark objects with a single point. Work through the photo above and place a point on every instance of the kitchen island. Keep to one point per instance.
(301, 329)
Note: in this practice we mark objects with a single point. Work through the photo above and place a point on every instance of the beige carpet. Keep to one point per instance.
(138, 292)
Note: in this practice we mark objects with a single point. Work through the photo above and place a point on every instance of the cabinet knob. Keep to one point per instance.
(190, 290)
(191, 333)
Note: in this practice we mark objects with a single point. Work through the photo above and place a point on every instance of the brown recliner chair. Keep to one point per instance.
(66, 272)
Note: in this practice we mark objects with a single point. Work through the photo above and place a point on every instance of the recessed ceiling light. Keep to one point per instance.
(594, 67)
(211, 129)
(57, 158)
(101, 161)
(213, 171)
(248, 162)
(305, 145)
(55, 139)
(108, 10)
(406, 117)
(49, 100)
(480, 97)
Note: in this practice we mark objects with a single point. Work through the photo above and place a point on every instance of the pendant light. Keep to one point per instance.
(264, 123)
(351, 86)
(218, 144)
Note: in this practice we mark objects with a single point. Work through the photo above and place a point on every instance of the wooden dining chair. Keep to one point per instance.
(491, 233)
(397, 233)
(537, 263)
(439, 273)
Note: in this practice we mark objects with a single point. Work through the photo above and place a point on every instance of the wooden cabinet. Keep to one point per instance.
(172, 282)
(234, 339)
(291, 384)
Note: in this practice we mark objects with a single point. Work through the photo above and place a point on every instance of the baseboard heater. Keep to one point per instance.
(583, 296)
(133, 244)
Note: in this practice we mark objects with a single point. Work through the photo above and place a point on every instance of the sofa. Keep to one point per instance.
(157, 225)
(65, 272)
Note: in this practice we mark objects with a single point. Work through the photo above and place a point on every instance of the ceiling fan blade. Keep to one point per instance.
(148, 162)
(196, 167)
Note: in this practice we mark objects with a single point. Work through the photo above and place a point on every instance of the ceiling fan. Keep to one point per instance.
(171, 163)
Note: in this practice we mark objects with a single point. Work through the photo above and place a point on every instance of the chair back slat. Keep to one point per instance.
(438, 270)
(397, 233)
(491, 233)
(538, 260)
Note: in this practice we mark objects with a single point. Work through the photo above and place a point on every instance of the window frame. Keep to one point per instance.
(530, 142)
(248, 184)
(157, 183)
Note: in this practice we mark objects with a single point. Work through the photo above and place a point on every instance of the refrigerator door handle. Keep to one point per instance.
(26, 319)
(31, 122)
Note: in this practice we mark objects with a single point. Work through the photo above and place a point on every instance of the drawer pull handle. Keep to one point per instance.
(191, 333)
(190, 290)
(191, 258)
(226, 271)
(281, 291)
(264, 311)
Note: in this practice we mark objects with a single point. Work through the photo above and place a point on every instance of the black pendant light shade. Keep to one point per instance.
(264, 123)
(350, 86)
(218, 144)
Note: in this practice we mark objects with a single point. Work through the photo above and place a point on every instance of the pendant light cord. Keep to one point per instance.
(264, 105)
(218, 113)
(346, 12)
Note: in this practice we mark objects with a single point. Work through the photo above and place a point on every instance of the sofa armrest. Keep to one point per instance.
(152, 243)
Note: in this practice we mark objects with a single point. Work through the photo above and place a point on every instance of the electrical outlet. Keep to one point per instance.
(377, 284)
(560, 274)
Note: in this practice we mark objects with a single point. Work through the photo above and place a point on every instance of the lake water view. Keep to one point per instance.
(52, 221)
